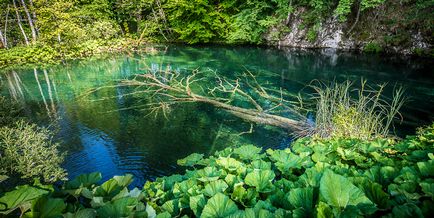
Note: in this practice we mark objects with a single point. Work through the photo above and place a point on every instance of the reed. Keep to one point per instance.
(345, 111)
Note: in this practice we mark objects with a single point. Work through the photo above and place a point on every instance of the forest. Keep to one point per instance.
(42, 30)
(216, 108)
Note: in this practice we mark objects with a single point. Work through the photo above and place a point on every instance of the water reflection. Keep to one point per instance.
(100, 136)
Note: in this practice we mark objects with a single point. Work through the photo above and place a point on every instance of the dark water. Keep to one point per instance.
(99, 134)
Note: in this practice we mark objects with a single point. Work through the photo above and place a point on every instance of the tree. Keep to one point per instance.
(260, 105)
(29, 18)
(19, 23)
(198, 20)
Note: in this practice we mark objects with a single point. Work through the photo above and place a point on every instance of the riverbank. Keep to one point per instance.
(45, 55)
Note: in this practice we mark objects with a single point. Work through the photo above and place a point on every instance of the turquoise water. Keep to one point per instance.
(100, 134)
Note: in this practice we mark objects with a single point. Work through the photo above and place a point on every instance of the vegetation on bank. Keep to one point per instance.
(43, 54)
(26, 150)
(313, 178)
(34, 31)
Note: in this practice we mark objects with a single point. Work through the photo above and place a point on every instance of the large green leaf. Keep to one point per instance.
(197, 203)
(48, 207)
(232, 179)
(303, 200)
(22, 195)
(215, 187)
(408, 210)
(339, 192)
(248, 152)
(169, 181)
(171, 206)
(190, 160)
(84, 180)
(124, 181)
(229, 163)
(164, 215)
(311, 177)
(246, 197)
(186, 187)
(428, 187)
(426, 168)
(286, 161)
(261, 180)
(208, 174)
(219, 206)
(323, 210)
(281, 213)
(373, 191)
(119, 208)
(260, 164)
(113, 186)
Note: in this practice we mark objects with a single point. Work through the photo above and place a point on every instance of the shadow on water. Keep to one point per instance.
(99, 135)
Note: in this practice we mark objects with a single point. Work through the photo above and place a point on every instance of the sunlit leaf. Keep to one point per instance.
(190, 160)
(215, 187)
(261, 180)
(339, 192)
(219, 206)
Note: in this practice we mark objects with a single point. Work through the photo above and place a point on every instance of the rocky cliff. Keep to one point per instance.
(372, 33)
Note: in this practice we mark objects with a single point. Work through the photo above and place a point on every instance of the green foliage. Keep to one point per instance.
(343, 9)
(251, 22)
(197, 21)
(81, 197)
(27, 150)
(312, 34)
(339, 177)
(29, 55)
(42, 54)
(372, 47)
(66, 27)
(366, 4)
(10, 111)
(336, 178)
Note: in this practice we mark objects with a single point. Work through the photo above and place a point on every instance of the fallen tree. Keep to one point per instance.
(243, 97)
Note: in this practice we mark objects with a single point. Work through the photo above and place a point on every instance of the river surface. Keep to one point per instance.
(107, 130)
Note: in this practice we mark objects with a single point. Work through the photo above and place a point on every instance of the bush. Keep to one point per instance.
(314, 178)
(372, 47)
(27, 150)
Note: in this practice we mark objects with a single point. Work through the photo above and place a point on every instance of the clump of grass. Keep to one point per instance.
(345, 111)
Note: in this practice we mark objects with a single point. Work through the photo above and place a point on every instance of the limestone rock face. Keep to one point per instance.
(331, 34)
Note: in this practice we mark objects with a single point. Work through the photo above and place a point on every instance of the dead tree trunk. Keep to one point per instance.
(31, 22)
(169, 88)
(26, 40)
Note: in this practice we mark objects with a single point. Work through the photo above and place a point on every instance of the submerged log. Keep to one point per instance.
(166, 88)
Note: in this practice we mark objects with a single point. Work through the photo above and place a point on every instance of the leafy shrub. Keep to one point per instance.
(314, 178)
(27, 150)
(312, 34)
(101, 30)
(43, 54)
(372, 47)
